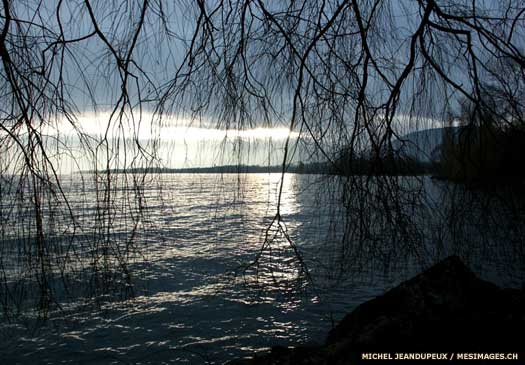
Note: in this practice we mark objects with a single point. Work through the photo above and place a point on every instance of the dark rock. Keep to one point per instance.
(446, 308)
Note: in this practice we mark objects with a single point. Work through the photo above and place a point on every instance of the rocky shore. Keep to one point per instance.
(445, 309)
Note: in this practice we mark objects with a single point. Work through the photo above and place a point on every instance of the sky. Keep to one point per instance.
(177, 143)
(234, 126)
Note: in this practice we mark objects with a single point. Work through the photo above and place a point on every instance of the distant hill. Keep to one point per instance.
(424, 145)
(416, 153)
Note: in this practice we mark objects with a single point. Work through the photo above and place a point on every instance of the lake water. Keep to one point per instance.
(197, 300)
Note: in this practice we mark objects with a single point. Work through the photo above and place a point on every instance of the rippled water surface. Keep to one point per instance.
(195, 298)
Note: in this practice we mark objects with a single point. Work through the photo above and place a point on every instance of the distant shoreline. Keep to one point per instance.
(315, 168)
